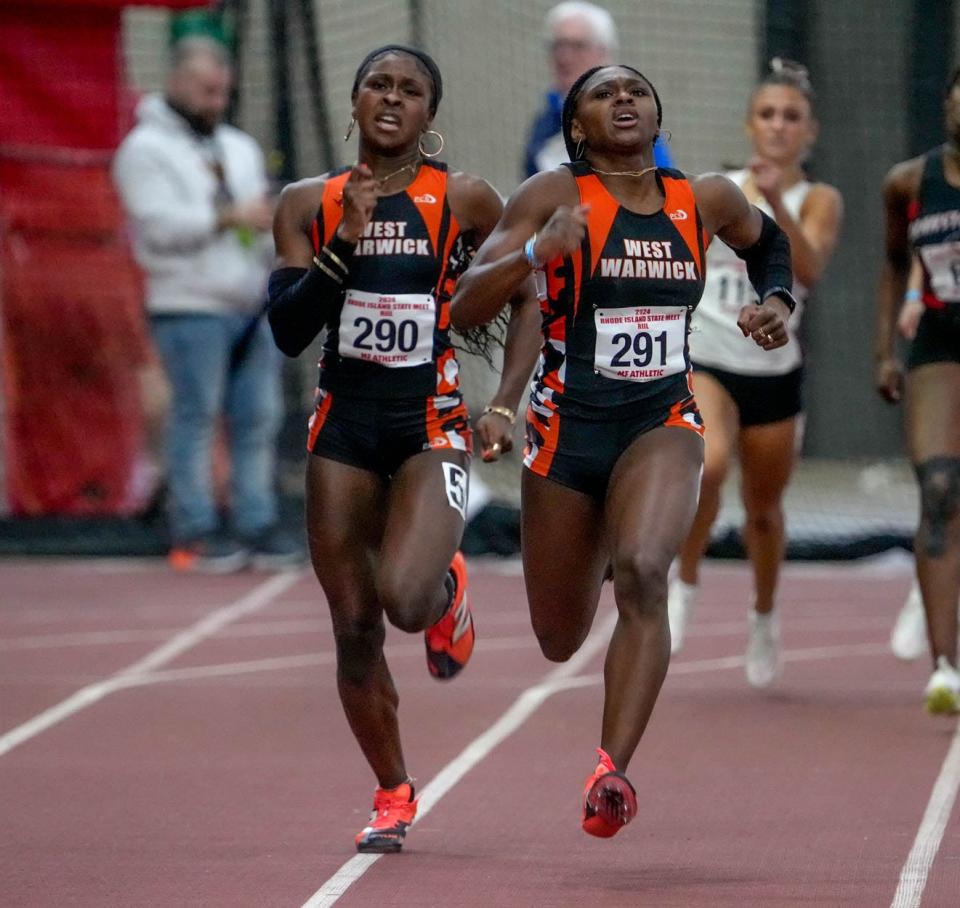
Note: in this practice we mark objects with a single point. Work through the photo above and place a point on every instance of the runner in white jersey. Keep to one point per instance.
(751, 403)
(715, 340)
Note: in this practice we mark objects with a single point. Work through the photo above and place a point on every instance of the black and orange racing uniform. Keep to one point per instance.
(389, 378)
(616, 314)
(934, 232)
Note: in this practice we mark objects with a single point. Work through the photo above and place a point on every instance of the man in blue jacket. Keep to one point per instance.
(579, 35)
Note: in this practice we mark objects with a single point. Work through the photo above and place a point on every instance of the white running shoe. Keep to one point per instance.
(943, 689)
(763, 649)
(681, 601)
(908, 640)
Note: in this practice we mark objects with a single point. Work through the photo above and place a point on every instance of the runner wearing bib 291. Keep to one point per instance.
(616, 317)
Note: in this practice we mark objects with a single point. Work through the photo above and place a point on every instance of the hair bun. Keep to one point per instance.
(791, 71)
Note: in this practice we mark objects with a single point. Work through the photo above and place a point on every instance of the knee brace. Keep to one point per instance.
(939, 480)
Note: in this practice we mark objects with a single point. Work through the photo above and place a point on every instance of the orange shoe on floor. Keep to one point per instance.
(609, 800)
(393, 811)
(450, 641)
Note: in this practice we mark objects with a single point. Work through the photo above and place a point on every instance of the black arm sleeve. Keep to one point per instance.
(301, 301)
(768, 259)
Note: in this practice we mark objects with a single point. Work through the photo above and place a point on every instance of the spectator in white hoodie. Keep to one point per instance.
(195, 191)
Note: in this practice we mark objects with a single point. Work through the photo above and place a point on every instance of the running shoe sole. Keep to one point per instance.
(609, 805)
(384, 844)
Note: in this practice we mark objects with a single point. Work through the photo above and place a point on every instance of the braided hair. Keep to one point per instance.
(423, 58)
(573, 96)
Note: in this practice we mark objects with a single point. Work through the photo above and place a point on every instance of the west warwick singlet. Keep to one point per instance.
(617, 311)
(715, 339)
(935, 233)
(390, 338)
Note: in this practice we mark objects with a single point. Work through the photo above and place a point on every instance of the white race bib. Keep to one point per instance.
(394, 331)
(942, 261)
(640, 343)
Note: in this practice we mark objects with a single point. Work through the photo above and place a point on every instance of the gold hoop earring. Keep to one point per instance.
(423, 151)
(578, 151)
(353, 122)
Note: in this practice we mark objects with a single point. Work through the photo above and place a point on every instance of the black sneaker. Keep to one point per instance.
(275, 550)
(210, 554)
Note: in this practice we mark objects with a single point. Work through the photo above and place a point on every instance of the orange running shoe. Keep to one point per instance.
(393, 811)
(609, 800)
(450, 641)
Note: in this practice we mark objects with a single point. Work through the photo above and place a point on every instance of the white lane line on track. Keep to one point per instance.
(133, 635)
(563, 678)
(284, 627)
(175, 646)
(913, 876)
(521, 709)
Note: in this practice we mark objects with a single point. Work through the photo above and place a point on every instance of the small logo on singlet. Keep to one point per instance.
(425, 199)
(678, 215)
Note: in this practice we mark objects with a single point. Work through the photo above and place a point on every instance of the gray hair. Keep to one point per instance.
(601, 22)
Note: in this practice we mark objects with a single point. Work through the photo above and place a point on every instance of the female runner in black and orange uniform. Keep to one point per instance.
(372, 254)
(922, 205)
(615, 445)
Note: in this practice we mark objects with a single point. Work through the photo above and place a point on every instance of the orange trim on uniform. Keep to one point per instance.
(680, 198)
(331, 206)
(437, 436)
(430, 182)
(319, 418)
(600, 218)
(444, 385)
(676, 418)
(549, 431)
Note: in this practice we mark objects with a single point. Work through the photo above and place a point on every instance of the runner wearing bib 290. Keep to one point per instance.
(370, 255)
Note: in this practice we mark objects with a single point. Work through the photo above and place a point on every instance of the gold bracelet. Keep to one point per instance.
(506, 412)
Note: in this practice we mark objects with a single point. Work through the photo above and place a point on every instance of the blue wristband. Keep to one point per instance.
(531, 257)
(912, 296)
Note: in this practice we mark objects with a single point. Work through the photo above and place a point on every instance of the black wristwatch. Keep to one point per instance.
(784, 294)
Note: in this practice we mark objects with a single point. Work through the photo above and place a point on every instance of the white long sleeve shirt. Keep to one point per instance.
(169, 190)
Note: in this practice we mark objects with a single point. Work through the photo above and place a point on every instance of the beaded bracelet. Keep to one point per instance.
(505, 412)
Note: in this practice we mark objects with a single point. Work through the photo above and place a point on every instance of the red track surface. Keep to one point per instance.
(239, 783)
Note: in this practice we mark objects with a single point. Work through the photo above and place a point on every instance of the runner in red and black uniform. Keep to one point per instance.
(371, 254)
(614, 436)
(922, 200)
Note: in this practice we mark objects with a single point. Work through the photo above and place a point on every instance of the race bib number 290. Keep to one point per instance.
(640, 343)
(395, 331)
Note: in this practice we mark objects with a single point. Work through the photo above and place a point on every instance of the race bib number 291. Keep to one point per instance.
(640, 343)
(395, 331)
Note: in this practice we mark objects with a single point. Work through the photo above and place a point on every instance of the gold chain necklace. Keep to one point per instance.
(410, 165)
(623, 173)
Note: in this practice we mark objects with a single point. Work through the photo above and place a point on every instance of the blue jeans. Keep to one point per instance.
(195, 350)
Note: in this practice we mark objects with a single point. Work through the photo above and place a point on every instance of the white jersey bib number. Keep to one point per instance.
(942, 261)
(394, 331)
(640, 343)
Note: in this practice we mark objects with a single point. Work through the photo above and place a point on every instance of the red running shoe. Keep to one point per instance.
(609, 800)
(450, 641)
(393, 811)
